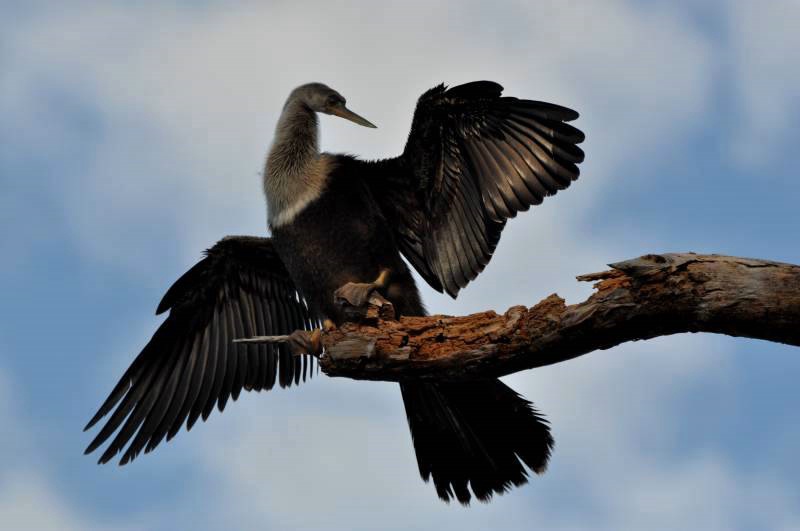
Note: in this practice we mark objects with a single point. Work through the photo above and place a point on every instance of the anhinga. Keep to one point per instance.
(472, 161)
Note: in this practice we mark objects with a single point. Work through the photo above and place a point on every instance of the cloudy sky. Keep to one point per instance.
(131, 138)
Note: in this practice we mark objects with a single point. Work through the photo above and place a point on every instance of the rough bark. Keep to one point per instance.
(650, 296)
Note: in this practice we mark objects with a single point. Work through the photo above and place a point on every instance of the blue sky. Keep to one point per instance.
(132, 138)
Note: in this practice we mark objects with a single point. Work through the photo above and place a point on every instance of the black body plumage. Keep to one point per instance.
(344, 237)
(473, 160)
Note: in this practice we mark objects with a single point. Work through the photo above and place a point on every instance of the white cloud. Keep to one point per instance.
(764, 42)
(184, 105)
(29, 499)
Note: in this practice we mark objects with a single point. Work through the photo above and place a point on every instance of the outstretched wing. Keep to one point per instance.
(473, 160)
(240, 289)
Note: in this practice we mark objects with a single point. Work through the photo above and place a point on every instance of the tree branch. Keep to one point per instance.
(650, 296)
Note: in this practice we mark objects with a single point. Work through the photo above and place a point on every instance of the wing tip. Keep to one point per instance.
(91, 423)
(108, 455)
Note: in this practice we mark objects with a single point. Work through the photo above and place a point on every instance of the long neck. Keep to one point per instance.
(292, 178)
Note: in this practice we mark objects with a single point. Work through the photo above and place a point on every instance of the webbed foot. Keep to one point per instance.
(306, 342)
(357, 294)
(363, 301)
(354, 293)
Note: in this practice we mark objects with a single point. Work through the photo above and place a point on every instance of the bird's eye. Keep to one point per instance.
(332, 101)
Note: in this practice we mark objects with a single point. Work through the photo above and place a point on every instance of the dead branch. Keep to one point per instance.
(654, 295)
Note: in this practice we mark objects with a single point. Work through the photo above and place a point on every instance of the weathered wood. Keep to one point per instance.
(650, 296)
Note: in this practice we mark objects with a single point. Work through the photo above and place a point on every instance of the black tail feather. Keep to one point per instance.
(475, 434)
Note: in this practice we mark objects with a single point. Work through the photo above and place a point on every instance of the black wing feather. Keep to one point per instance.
(473, 160)
(240, 288)
(219, 374)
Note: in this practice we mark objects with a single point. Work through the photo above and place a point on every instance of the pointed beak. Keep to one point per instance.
(347, 114)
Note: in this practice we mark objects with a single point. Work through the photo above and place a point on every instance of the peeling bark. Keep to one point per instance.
(654, 295)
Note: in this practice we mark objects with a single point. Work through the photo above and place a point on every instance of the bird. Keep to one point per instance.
(340, 225)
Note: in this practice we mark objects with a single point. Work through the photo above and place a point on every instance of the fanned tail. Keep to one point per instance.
(477, 434)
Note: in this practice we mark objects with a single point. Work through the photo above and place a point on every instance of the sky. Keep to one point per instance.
(132, 137)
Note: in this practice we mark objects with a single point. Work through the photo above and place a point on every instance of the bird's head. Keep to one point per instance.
(322, 98)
